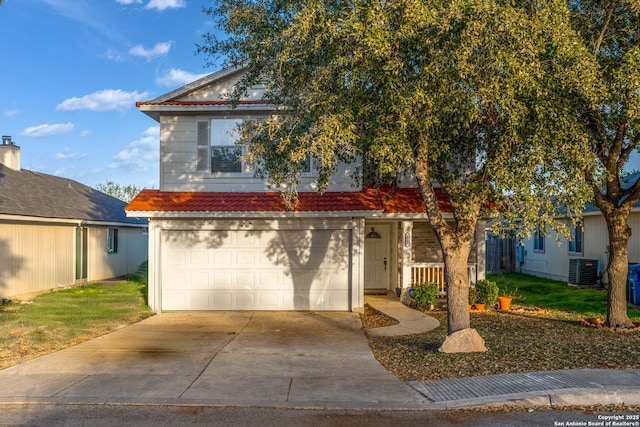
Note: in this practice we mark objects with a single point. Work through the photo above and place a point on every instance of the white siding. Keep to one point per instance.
(132, 251)
(178, 163)
(553, 263)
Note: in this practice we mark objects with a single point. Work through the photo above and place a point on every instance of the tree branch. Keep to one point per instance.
(603, 30)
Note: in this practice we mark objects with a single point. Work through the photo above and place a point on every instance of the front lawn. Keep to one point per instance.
(59, 319)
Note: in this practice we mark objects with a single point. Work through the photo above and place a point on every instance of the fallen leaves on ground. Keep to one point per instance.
(517, 342)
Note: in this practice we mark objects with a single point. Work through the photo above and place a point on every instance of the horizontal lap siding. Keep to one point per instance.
(35, 258)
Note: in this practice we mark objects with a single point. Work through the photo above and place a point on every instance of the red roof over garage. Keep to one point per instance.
(387, 199)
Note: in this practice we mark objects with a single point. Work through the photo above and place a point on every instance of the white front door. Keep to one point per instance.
(376, 257)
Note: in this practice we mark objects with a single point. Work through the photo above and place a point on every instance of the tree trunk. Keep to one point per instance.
(617, 269)
(457, 278)
(455, 240)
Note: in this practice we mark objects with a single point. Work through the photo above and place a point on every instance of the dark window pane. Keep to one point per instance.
(226, 159)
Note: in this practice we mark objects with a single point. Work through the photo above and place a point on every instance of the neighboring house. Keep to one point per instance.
(56, 232)
(548, 255)
(220, 239)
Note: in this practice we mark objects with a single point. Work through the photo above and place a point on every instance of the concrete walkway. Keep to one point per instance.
(409, 321)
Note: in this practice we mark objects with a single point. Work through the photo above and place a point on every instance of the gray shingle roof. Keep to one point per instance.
(37, 194)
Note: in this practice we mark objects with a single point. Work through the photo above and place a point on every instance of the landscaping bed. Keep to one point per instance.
(522, 340)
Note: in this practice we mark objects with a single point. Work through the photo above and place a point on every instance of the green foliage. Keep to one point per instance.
(426, 293)
(141, 278)
(487, 293)
(125, 193)
(473, 295)
(607, 103)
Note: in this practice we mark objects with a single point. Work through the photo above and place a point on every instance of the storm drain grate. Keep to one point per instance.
(497, 385)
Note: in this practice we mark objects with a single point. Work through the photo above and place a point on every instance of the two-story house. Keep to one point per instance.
(220, 239)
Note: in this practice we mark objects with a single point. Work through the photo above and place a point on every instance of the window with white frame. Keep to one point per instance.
(218, 153)
(112, 241)
(576, 239)
(538, 241)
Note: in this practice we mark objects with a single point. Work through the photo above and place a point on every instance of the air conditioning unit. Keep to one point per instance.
(583, 272)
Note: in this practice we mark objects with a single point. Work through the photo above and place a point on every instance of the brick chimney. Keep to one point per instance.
(9, 153)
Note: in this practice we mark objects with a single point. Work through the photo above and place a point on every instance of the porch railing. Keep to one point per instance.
(434, 272)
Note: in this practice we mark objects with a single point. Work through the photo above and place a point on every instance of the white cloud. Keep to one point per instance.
(129, 1)
(140, 155)
(11, 113)
(112, 55)
(85, 133)
(177, 77)
(165, 4)
(103, 100)
(68, 155)
(47, 130)
(160, 49)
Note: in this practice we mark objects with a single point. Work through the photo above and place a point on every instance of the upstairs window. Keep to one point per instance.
(575, 241)
(217, 151)
(225, 154)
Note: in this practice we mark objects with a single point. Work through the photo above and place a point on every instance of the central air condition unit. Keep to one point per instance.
(583, 272)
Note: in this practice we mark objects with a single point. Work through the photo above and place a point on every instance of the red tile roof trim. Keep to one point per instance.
(251, 102)
(388, 200)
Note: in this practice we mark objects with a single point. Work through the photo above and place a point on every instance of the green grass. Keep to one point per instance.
(58, 319)
(555, 295)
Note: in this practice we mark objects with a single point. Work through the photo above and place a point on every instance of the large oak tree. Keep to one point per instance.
(609, 106)
(466, 96)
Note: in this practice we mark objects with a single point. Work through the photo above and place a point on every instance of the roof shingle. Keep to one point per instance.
(27, 193)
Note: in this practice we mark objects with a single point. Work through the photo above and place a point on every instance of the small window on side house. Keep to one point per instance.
(112, 241)
(575, 241)
(538, 241)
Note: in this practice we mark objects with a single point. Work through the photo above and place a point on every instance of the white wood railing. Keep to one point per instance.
(434, 272)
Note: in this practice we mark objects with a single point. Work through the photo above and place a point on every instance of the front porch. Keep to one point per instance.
(401, 254)
(434, 272)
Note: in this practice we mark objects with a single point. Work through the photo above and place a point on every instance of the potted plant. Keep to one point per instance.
(505, 298)
(425, 294)
(487, 294)
(473, 296)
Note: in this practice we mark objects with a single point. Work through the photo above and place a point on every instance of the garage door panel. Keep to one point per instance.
(251, 270)
(247, 258)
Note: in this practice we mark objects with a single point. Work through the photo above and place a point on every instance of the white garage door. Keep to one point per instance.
(255, 270)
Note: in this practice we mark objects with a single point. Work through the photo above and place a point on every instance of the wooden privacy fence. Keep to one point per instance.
(501, 254)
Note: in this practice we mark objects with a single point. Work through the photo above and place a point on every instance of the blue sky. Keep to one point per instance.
(72, 71)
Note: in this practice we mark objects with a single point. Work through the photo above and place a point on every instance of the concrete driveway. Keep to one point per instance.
(289, 359)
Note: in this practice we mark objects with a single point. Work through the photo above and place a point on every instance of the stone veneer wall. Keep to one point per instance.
(425, 246)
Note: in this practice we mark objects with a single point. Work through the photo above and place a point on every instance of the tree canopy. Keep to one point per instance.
(125, 193)
(608, 105)
(468, 96)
